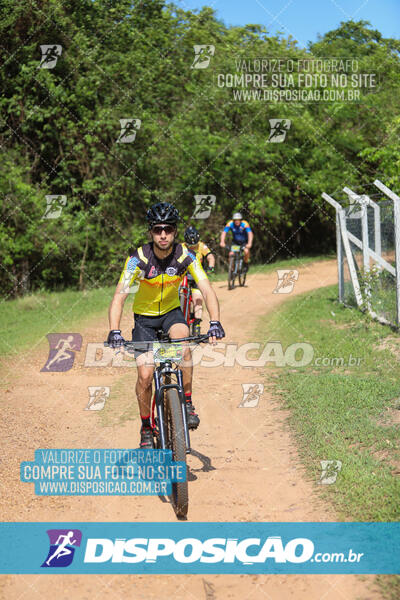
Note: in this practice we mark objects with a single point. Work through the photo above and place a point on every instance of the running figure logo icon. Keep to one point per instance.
(127, 288)
(357, 208)
(209, 589)
(62, 351)
(54, 206)
(98, 396)
(129, 127)
(204, 204)
(203, 56)
(330, 470)
(251, 394)
(50, 55)
(62, 547)
(279, 129)
(286, 280)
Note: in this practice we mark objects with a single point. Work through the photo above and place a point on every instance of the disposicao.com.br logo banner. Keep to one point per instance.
(200, 548)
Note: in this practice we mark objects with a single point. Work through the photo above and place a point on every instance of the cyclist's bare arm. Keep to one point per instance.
(250, 239)
(210, 299)
(117, 306)
(211, 261)
(222, 241)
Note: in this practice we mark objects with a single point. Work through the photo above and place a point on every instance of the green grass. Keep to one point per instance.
(26, 321)
(344, 413)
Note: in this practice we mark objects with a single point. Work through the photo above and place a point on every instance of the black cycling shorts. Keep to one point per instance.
(146, 327)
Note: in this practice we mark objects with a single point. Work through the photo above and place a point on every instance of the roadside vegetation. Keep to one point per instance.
(123, 59)
(348, 410)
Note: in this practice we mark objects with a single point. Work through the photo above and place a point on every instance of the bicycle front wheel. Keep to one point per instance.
(175, 435)
(231, 273)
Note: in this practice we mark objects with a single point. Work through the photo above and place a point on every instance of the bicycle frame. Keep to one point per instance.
(162, 379)
(185, 291)
(238, 258)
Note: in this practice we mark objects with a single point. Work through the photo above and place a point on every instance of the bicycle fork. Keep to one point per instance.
(158, 397)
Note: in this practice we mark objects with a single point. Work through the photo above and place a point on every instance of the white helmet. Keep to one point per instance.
(237, 217)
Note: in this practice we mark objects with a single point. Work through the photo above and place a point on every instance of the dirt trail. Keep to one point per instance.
(256, 473)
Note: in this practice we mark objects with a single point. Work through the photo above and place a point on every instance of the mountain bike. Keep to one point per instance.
(187, 306)
(168, 411)
(237, 267)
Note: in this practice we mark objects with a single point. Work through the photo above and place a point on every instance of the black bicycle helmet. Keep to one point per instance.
(162, 212)
(191, 236)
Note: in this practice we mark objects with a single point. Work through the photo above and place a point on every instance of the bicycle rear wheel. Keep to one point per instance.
(175, 439)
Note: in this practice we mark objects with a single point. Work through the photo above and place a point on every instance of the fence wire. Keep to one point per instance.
(382, 284)
(377, 284)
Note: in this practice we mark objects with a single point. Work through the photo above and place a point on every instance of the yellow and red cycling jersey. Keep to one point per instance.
(201, 252)
(155, 283)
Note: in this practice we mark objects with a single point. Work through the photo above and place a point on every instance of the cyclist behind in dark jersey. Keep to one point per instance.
(203, 255)
(242, 235)
(153, 275)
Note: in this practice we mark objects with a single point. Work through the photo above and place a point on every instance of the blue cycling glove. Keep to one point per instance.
(115, 338)
(216, 330)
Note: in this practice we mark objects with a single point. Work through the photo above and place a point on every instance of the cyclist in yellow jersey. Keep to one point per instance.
(153, 275)
(202, 253)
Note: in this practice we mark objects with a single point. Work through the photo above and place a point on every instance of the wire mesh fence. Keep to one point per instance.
(381, 282)
(368, 235)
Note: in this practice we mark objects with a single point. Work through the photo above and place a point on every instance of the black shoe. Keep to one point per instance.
(146, 437)
(245, 267)
(193, 420)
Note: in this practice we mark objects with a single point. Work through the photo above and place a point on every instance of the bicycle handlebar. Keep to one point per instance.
(139, 345)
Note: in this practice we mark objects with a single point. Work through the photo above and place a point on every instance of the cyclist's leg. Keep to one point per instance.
(231, 258)
(246, 257)
(143, 395)
(175, 325)
(180, 330)
(144, 382)
(145, 329)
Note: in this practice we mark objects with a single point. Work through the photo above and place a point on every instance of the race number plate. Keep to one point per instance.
(167, 351)
(235, 248)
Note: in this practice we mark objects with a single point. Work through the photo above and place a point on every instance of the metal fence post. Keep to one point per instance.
(396, 211)
(340, 260)
(345, 240)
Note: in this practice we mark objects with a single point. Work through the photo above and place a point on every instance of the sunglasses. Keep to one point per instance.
(158, 229)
